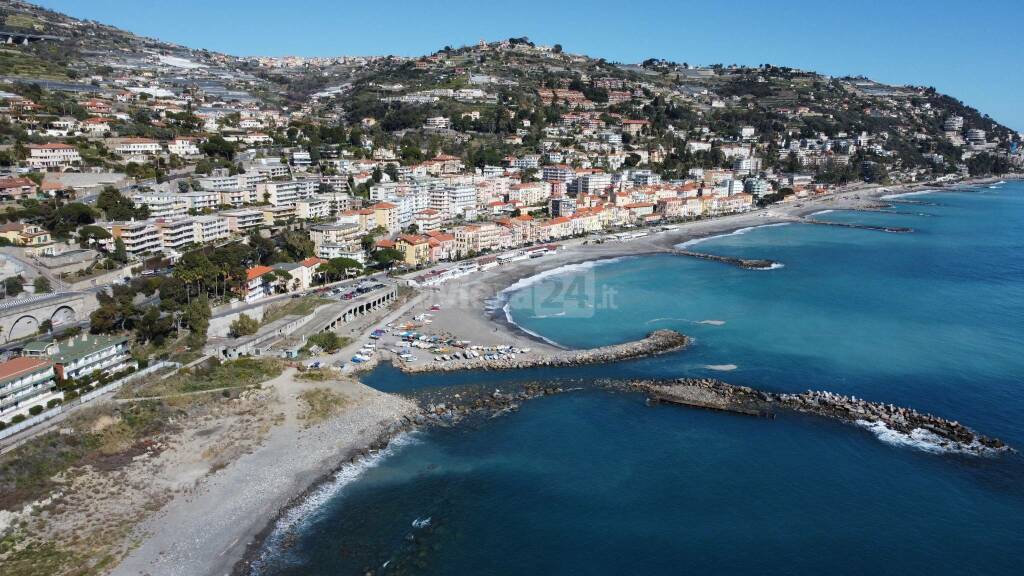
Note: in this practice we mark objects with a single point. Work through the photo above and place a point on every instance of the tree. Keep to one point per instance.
(120, 252)
(337, 268)
(386, 257)
(90, 234)
(197, 316)
(14, 285)
(116, 207)
(42, 285)
(244, 326)
(154, 327)
(298, 245)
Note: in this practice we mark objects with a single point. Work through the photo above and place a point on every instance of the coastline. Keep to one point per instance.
(181, 539)
(216, 526)
(471, 306)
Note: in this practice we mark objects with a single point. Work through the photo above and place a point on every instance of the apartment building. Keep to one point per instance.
(201, 200)
(26, 382)
(312, 209)
(210, 228)
(138, 147)
(138, 237)
(242, 221)
(162, 205)
(92, 355)
(184, 147)
(288, 192)
(53, 156)
(176, 233)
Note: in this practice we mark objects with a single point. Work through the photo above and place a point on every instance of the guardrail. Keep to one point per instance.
(57, 410)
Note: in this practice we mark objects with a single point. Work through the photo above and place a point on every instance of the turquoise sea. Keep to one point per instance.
(594, 482)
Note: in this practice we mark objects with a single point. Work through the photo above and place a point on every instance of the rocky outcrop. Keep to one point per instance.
(658, 342)
(717, 395)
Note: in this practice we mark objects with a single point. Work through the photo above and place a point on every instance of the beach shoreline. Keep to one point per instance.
(172, 545)
(471, 308)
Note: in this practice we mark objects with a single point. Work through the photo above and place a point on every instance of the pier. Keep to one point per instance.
(658, 342)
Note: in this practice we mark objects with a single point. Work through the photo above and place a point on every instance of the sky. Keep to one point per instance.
(968, 49)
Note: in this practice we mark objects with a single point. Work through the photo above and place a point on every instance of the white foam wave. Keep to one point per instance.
(923, 440)
(820, 212)
(314, 502)
(721, 367)
(738, 232)
(774, 266)
(712, 322)
(507, 308)
(555, 315)
(566, 269)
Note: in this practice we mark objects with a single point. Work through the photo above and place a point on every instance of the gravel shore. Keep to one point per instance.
(208, 531)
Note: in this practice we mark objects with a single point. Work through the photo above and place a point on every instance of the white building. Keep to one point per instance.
(53, 156)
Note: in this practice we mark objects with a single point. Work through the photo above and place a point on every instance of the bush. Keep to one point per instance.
(3, 424)
(54, 402)
(18, 419)
(244, 326)
(35, 410)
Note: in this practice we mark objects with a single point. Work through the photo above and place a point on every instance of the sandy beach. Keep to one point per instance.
(469, 311)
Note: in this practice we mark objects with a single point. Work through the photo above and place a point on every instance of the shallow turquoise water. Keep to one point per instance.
(598, 483)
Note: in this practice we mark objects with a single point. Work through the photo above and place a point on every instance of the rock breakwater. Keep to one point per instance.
(718, 395)
(658, 342)
(747, 263)
(890, 229)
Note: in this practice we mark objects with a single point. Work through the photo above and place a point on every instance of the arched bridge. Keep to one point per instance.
(22, 317)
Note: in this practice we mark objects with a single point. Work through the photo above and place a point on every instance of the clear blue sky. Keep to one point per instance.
(969, 49)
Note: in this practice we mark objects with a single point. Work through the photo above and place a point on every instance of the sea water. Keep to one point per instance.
(598, 483)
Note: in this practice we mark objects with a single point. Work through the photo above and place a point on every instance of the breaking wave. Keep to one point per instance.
(738, 232)
(314, 502)
(923, 440)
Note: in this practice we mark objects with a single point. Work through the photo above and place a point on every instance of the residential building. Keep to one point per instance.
(183, 146)
(257, 283)
(415, 249)
(26, 382)
(133, 147)
(242, 221)
(53, 156)
(17, 188)
(162, 205)
(312, 209)
(24, 234)
(210, 228)
(176, 233)
(138, 237)
(92, 355)
(287, 192)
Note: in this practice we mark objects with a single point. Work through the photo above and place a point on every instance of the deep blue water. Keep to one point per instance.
(598, 483)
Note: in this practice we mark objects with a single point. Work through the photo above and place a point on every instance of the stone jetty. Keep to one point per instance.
(749, 264)
(892, 229)
(658, 342)
(717, 395)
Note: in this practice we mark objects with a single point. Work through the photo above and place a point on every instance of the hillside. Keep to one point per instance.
(487, 91)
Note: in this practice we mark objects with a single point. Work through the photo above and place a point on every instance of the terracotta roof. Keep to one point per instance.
(257, 271)
(20, 366)
(313, 261)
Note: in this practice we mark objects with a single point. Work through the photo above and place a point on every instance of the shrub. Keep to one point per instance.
(35, 410)
(3, 424)
(53, 402)
(18, 419)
